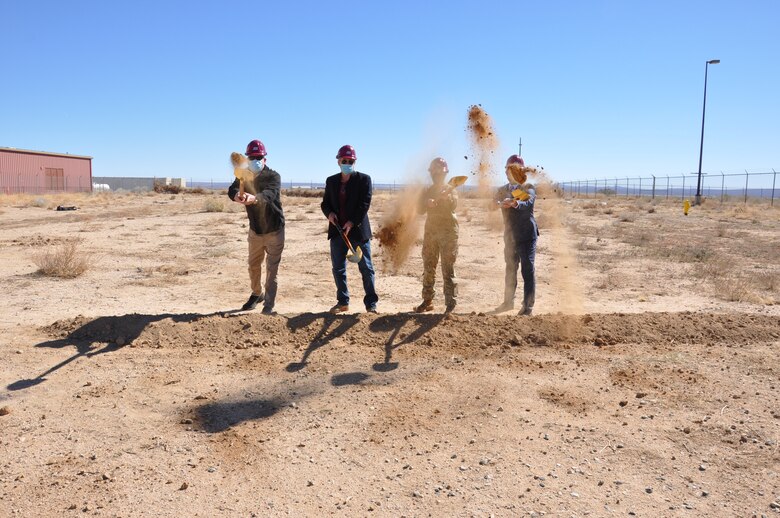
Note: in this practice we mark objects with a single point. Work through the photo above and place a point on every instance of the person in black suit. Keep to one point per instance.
(345, 203)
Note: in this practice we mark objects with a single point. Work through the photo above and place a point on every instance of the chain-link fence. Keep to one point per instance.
(760, 186)
(39, 183)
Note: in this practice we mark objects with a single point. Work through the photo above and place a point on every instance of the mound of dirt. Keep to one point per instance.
(437, 332)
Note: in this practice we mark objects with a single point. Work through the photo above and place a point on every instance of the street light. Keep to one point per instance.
(703, 110)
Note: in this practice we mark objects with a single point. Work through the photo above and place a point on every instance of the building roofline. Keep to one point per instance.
(46, 153)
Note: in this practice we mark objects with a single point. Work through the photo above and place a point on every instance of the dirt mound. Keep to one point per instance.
(456, 333)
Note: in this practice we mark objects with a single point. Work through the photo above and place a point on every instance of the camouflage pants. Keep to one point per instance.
(444, 244)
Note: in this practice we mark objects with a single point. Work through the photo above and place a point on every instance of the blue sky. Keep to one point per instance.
(595, 89)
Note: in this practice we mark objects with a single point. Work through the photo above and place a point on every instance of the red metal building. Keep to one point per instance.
(39, 172)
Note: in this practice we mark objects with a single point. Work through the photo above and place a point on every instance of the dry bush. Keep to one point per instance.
(610, 281)
(66, 261)
(769, 281)
(627, 217)
(738, 289)
(214, 205)
(304, 193)
(167, 189)
(713, 269)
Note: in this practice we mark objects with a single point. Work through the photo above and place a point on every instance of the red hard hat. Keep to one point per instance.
(515, 159)
(347, 152)
(438, 165)
(255, 149)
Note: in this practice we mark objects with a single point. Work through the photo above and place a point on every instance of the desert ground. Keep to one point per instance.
(645, 384)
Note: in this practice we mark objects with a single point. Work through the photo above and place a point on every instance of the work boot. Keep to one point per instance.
(506, 306)
(339, 308)
(450, 307)
(268, 310)
(426, 306)
(252, 302)
(372, 309)
(525, 311)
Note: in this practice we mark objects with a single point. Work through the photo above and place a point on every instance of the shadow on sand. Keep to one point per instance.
(103, 335)
(393, 324)
(333, 326)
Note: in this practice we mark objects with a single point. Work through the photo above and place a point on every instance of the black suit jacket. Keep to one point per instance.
(359, 191)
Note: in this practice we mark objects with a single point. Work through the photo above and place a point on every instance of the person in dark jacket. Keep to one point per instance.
(345, 203)
(516, 200)
(266, 225)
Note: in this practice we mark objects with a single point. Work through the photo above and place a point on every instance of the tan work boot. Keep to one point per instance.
(426, 306)
(338, 308)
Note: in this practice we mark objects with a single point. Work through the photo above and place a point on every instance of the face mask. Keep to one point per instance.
(256, 166)
(347, 168)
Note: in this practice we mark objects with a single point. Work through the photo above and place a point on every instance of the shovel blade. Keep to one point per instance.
(356, 256)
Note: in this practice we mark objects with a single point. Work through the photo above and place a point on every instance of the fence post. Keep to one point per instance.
(653, 186)
(722, 185)
(667, 187)
(640, 186)
(616, 191)
(683, 189)
(747, 177)
(774, 179)
(627, 187)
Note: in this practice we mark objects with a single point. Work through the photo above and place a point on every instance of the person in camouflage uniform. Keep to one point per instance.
(441, 237)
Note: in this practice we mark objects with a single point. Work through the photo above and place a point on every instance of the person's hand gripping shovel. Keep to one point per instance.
(354, 254)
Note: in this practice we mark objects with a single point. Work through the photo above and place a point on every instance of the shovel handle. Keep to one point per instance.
(344, 237)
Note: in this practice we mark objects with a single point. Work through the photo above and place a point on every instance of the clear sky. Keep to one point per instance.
(595, 89)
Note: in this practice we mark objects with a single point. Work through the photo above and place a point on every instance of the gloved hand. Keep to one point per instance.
(333, 219)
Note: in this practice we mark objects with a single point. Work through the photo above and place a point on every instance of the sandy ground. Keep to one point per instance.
(645, 384)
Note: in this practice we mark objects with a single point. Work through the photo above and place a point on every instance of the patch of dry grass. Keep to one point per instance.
(214, 205)
(304, 193)
(65, 261)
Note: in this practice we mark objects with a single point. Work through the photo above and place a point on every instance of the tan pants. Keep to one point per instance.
(260, 245)
(440, 243)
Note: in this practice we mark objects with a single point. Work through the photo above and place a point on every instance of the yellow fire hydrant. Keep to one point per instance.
(686, 207)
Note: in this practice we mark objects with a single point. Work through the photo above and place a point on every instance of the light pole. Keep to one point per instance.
(703, 110)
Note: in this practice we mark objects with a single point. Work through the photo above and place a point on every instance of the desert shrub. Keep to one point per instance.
(167, 189)
(304, 193)
(769, 281)
(214, 205)
(739, 290)
(195, 190)
(627, 217)
(66, 261)
(41, 203)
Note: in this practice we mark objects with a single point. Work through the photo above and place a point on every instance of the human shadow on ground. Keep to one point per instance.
(219, 416)
(349, 378)
(333, 326)
(111, 332)
(393, 324)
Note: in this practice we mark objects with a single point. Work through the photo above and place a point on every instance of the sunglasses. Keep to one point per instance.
(347, 161)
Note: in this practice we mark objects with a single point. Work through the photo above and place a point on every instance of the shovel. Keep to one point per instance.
(457, 181)
(244, 175)
(354, 254)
